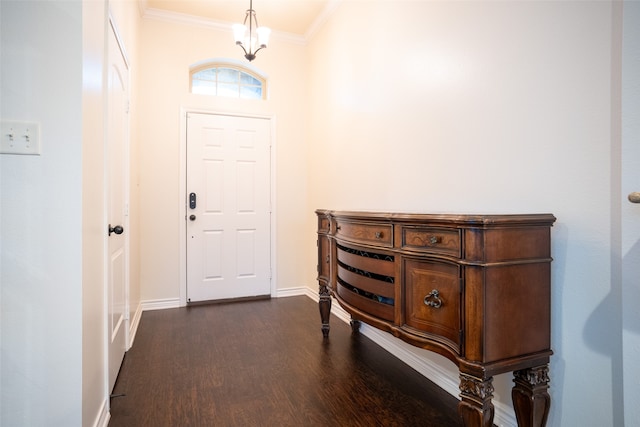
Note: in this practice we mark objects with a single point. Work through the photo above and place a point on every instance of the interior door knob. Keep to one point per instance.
(192, 217)
(634, 197)
(117, 229)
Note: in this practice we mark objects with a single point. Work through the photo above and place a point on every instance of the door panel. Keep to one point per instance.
(117, 144)
(228, 231)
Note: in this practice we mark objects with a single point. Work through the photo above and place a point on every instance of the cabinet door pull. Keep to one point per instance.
(433, 299)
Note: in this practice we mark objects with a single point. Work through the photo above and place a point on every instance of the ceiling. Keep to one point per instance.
(290, 16)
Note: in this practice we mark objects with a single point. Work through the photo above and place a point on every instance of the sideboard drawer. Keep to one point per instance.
(363, 232)
(432, 299)
(365, 302)
(446, 241)
(371, 262)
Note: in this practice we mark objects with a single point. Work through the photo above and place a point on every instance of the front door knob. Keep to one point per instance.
(634, 197)
(192, 217)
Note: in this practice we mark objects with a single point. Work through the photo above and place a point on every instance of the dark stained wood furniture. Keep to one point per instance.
(473, 288)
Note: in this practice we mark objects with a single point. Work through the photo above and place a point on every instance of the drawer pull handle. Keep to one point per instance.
(433, 299)
(434, 239)
(378, 234)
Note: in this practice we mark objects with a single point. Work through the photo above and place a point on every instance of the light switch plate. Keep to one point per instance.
(19, 137)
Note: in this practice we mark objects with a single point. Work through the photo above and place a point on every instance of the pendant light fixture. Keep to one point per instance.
(249, 36)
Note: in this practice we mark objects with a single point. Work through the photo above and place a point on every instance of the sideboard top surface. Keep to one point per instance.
(452, 219)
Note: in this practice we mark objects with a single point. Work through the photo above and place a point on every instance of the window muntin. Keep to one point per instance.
(227, 81)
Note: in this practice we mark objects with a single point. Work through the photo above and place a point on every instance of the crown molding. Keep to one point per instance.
(186, 19)
(324, 16)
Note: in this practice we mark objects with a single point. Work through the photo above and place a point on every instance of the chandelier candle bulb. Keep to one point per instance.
(263, 36)
(238, 33)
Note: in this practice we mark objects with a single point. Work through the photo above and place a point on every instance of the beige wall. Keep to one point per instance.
(483, 107)
(167, 51)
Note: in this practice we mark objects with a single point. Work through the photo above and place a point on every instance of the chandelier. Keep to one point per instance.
(249, 36)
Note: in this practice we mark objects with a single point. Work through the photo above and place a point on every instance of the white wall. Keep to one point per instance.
(41, 216)
(488, 107)
(167, 51)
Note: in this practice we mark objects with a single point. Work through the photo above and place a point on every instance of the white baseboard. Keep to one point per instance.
(133, 325)
(102, 420)
(160, 304)
(293, 292)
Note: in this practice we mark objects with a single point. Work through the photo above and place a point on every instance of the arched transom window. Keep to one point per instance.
(228, 81)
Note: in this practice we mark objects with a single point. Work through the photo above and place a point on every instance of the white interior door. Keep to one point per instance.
(117, 145)
(228, 207)
(630, 212)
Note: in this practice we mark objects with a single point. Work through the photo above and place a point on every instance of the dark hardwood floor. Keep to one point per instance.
(265, 363)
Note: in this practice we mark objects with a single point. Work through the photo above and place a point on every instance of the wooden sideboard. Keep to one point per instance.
(473, 288)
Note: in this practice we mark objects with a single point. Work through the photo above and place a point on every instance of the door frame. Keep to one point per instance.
(112, 26)
(183, 194)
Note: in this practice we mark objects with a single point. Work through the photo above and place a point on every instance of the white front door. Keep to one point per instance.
(228, 207)
(116, 181)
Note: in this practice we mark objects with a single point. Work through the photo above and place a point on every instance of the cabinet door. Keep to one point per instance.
(433, 300)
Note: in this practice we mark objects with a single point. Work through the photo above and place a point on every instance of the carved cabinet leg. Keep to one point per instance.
(355, 326)
(531, 400)
(476, 408)
(325, 309)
